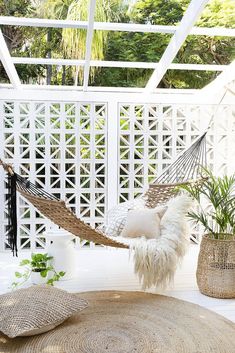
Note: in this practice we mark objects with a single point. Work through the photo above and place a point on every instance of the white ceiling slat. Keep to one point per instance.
(6, 60)
(42, 22)
(47, 61)
(117, 64)
(197, 67)
(191, 15)
(113, 26)
(213, 31)
(93, 89)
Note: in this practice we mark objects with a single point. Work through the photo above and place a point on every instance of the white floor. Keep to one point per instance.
(102, 269)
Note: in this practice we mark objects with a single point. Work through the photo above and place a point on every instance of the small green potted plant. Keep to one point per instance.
(215, 197)
(39, 270)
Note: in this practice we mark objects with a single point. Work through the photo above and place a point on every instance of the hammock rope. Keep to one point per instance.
(187, 165)
(185, 169)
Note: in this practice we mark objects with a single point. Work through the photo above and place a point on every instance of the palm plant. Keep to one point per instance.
(219, 220)
(74, 40)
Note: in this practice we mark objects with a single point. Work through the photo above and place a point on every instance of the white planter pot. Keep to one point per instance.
(59, 244)
(36, 278)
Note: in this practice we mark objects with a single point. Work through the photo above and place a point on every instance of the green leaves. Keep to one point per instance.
(39, 263)
(56, 277)
(220, 192)
(18, 275)
(123, 46)
(24, 276)
(44, 273)
(24, 262)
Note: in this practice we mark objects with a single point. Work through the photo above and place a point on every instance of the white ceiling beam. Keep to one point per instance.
(197, 67)
(48, 61)
(7, 63)
(191, 15)
(213, 31)
(122, 90)
(117, 64)
(41, 22)
(113, 26)
(89, 37)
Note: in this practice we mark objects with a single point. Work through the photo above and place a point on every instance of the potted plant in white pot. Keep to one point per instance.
(216, 213)
(39, 269)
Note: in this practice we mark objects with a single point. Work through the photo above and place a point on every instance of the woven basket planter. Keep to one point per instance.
(216, 268)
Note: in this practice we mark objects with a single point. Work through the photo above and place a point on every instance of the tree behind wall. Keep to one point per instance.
(123, 46)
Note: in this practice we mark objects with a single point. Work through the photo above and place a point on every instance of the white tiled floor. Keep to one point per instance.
(102, 269)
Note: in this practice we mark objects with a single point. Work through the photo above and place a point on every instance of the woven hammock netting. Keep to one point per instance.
(187, 167)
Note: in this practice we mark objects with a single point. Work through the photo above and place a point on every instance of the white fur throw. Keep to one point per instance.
(156, 260)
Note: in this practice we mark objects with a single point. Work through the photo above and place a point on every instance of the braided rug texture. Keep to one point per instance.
(132, 322)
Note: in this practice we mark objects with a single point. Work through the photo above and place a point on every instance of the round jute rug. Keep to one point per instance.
(132, 322)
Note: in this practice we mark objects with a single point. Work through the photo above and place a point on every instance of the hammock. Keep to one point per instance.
(185, 169)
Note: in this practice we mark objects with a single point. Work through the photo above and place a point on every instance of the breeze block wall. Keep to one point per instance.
(62, 147)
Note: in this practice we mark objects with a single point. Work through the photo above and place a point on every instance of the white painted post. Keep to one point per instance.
(90, 31)
(6, 60)
(112, 171)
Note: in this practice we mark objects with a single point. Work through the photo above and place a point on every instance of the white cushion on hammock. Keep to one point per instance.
(144, 222)
(117, 216)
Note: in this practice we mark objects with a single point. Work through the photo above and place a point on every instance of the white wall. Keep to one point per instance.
(98, 149)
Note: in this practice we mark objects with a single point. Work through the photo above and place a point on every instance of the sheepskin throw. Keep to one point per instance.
(156, 260)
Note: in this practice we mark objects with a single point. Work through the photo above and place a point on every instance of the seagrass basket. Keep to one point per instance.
(216, 266)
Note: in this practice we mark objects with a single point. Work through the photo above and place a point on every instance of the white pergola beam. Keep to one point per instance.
(197, 67)
(113, 26)
(48, 61)
(213, 31)
(117, 64)
(7, 63)
(41, 22)
(191, 15)
(89, 37)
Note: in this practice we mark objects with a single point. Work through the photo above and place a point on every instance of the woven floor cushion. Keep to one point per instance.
(37, 309)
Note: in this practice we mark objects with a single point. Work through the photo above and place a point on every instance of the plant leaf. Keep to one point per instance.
(24, 262)
(43, 273)
(18, 274)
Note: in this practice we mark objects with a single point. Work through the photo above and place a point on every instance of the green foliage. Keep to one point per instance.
(38, 263)
(73, 41)
(149, 47)
(123, 46)
(219, 219)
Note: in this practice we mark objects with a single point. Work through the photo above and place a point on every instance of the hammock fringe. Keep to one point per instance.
(12, 212)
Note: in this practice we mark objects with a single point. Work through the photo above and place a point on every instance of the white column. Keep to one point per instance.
(112, 154)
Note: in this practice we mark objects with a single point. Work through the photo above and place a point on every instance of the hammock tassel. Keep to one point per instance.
(12, 212)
